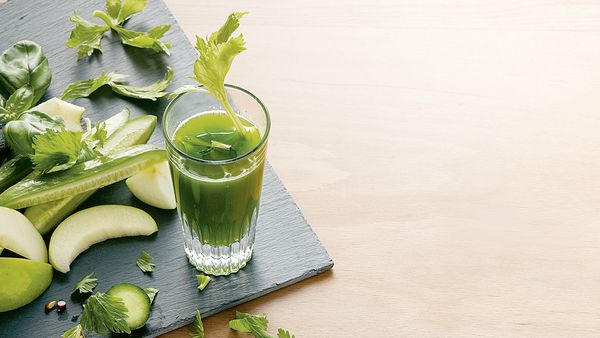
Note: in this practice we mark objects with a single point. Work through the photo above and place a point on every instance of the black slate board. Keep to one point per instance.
(286, 249)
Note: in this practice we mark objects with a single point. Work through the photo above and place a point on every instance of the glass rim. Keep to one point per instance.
(263, 139)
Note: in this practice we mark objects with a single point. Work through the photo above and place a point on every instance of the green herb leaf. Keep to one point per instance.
(23, 64)
(121, 10)
(203, 281)
(103, 312)
(117, 12)
(150, 92)
(55, 150)
(151, 293)
(281, 333)
(86, 36)
(148, 40)
(85, 88)
(145, 262)
(198, 328)
(216, 55)
(74, 332)
(20, 100)
(86, 285)
(256, 325)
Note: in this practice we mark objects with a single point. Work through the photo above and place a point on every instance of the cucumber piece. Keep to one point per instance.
(116, 121)
(46, 216)
(137, 303)
(135, 131)
(13, 170)
(82, 177)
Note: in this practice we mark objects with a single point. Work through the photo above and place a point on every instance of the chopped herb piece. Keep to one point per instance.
(85, 36)
(198, 328)
(203, 281)
(256, 325)
(86, 285)
(145, 262)
(151, 292)
(74, 332)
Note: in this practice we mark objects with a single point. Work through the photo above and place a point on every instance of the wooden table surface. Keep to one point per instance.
(445, 152)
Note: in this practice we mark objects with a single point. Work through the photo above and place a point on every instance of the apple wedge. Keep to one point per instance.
(94, 225)
(22, 281)
(18, 235)
(69, 112)
(154, 186)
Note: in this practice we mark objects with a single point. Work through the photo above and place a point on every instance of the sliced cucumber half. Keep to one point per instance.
(137, 303)
(82, 177)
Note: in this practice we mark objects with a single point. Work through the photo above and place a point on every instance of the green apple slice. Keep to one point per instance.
(69, 112)
(18, 235)
(94, 225)
(154, 186)
(22, 281)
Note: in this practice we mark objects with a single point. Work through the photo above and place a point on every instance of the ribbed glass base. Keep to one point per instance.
(220, 260)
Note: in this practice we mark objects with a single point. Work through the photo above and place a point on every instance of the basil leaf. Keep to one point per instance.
(20, 100)
(20, 133)
(23, 64)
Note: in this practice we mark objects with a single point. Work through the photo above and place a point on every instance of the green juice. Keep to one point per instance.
(218, 193)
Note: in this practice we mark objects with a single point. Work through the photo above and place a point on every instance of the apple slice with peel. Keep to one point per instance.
(154, 186)
(22, 281)
(69, 112)
(87, 227)
(18, 235)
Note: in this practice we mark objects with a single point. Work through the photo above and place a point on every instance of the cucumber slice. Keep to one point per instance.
(116, 121)
(13, 170)
(46, 216)
(135, 131)
(137, 303)
(82, 177)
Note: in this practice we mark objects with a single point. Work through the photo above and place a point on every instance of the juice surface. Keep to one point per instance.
(218, 202)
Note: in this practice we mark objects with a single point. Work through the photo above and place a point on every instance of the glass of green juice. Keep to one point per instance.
(217, 175)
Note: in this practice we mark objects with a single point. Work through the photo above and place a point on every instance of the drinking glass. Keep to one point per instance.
(217, 201)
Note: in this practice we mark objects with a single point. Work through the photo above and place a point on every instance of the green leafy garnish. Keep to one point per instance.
(56, 150)
(217, 52)
(256, 325)
(103, 313)
(151, 293)
(145, 262)
(74, 332)
(86, 285)
(198, 328)
(85, 36)
(203, 281)
(85, 88)
(20, 100)
(281, 333)
(148, 40)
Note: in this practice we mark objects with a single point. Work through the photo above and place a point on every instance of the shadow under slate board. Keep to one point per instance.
(286, 249)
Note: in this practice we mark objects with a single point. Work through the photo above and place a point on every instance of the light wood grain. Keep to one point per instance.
(446, 153)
